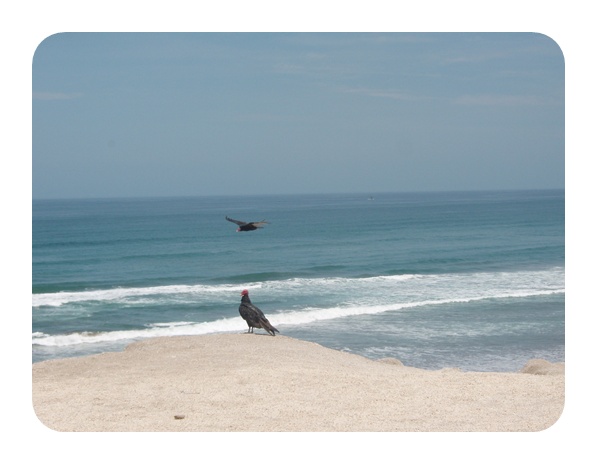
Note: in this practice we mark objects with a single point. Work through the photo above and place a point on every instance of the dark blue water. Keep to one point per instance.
(472, 280)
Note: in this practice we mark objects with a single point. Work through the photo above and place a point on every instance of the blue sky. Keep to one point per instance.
(134, 115)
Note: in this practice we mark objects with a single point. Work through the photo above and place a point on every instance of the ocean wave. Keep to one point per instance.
(282, 318)
(361, 289)
(113, 294)
(155, 330)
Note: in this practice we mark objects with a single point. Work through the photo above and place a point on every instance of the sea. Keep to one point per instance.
(467, 280)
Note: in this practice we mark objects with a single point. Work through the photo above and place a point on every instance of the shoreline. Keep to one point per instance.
(242, 382)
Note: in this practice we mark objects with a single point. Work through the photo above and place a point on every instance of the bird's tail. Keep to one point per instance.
(265, 324)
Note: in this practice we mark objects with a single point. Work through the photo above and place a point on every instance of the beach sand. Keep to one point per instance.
(254, 382)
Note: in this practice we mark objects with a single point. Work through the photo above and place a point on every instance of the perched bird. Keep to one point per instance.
(254, 316)
(247, 226)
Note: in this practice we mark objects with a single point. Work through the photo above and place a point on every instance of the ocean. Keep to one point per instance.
(469, 280)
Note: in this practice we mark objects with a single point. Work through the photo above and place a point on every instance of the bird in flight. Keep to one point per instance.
(254, 316)
(247, 226)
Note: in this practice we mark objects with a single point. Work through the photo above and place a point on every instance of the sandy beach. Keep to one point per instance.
(254, 382)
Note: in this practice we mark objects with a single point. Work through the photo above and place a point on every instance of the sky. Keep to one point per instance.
(184, 114)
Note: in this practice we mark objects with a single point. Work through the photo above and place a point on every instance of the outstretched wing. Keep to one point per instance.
(240, 223)
(260, 223)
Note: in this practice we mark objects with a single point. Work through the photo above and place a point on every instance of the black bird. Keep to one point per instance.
(247, 226)
(254, 316)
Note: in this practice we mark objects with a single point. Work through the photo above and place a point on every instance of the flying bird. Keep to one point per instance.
(254, 316)
(247, 226)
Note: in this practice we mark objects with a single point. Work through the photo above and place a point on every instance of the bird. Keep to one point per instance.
(247, 226)
(254, 316)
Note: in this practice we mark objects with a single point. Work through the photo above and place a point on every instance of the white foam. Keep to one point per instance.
(309, 315)
(326, 298)
(163, 330)
(288, 318)
(115, 294)
(369, 289)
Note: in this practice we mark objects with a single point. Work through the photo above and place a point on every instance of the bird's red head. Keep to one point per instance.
(244, 292)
